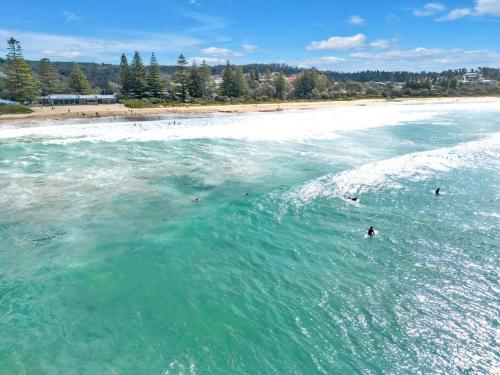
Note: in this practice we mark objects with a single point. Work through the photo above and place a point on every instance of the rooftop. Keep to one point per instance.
(4, 101)
(74, 96)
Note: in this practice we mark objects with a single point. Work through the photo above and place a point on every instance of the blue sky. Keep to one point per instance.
(329, 34)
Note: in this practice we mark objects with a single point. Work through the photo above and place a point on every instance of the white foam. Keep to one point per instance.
(280, 126)
(389, 173)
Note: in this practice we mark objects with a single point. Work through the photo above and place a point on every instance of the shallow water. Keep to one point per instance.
(108, 266)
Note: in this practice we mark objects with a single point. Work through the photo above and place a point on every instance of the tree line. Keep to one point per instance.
(24, 80)
(197, 82)
(19, 83)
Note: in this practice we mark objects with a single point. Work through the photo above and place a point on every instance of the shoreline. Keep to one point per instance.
(108, 110)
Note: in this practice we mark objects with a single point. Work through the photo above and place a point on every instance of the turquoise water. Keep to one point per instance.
(107, 266)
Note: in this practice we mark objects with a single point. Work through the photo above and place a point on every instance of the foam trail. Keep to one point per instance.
(388, 173)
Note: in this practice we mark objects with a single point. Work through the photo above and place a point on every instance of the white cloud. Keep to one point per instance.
(488, 7)
(67, 47)
(429, 9)
(416, 59)
(435, 6)
(338, 43)
(399, 54)
(249, 48)
(209, 60)
(391, 17)
(70, 16)
(455, 14)
(64, 54)
(380, 44)
(481, 8)
(206, 22)
(216, 51)
(324, 62)
(356, 20)
(431, 59)
(332, 59)
(362, 55)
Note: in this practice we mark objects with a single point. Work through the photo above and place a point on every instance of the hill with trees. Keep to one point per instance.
(24, 81)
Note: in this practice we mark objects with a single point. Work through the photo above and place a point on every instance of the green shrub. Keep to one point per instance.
(155, 101)
(9, 109)
(133, 103)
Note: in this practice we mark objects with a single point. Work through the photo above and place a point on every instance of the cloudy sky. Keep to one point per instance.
(329, 34)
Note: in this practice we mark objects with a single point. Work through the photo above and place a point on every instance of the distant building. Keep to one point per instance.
(472, 77)
(67, 99)
(217, 81)
(4, 101)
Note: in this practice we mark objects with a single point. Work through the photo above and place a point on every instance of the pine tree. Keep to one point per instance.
(228, 78)
(138, 78)
(182, 79)
(124, 76)
(50, 81)
(205, 75)
(251, 76)
(19, 83)
(155, 80)
(195, 82)
(240, 84)
(281, 85)
(256, 74)
(78, 81)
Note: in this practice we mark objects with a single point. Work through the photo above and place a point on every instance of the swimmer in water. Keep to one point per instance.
(437, 191)
(196, 200)
(354, 199)
(371, 231)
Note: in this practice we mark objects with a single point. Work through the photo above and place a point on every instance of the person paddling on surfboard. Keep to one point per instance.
(437, 191)
(371, 231)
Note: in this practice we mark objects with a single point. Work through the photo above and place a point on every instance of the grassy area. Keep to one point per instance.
(145, 103)
(10, 109)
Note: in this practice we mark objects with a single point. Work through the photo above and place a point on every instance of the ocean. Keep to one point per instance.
(226, 243)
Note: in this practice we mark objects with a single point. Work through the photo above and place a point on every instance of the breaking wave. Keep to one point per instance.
(283, 126)
(391, 172)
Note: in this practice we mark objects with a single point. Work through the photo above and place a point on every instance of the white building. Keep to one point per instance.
(67, 99)
(472, 77)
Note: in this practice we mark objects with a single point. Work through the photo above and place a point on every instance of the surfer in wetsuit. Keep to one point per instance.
(437, 191)
(371, 231)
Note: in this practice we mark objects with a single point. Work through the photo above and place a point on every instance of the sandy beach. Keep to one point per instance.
(105, 110)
